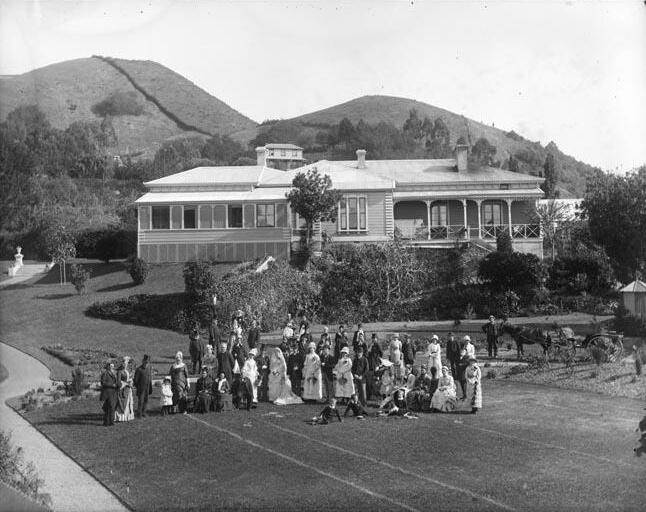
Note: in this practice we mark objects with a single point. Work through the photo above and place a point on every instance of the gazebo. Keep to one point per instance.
(634, 298)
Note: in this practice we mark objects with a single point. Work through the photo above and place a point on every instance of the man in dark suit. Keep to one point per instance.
(109, 388)
(239, 353)
(360, 373)
(492, 331)
(143, 382)
(253, 338)
(408, 351)
(327, 366)
(214, 334)
(453, 353)
(295, 370)
(340, 341)
(196, 349)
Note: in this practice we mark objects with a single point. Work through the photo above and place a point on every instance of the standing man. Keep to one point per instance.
(355, 338)
(340, 341)
(143, 382)
(239, 353)
(295, 363)
(253, 337)
(492, 331)
(408, 351)
(360, 373)
(327, 367)
(453, 354)
(214, 334)
(196, 349)
(109, 388)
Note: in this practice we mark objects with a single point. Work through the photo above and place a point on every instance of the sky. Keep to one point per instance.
(570, 72)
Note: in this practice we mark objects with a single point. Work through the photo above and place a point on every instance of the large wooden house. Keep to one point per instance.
(241, 213)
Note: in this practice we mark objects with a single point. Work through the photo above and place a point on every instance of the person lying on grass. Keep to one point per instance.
(327, 414)
(355, 406)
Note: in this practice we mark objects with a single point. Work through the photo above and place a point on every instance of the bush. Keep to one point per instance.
(80, 277)
(522, 273)
(106, 244)
(119, 103)
(491, 374)
(138, 270)
(265, 296)
(159, 311)
(17, 473)
(78, 381)
(628, 324)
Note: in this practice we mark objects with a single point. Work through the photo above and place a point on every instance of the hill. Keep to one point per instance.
(394, 110)
(170, 105)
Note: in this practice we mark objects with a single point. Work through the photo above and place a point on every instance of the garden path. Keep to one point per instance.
(70, 487)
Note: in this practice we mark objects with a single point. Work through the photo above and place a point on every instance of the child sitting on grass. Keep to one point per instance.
(166, 398)
(355, 406)
(327, 414)
(398, 407)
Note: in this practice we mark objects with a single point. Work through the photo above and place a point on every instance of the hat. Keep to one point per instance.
(239, 312)
(166, 379)
(434, 337)
(467, 338)
(253, 352)
(345, 350)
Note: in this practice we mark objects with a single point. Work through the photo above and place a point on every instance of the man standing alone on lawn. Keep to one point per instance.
(492, 332)
(143, 382)
(109, 387)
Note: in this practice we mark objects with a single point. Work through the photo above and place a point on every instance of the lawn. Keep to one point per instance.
(44, 313)
(530, 448)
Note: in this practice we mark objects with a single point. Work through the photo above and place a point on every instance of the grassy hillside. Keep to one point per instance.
(67, 91)
(374, 109)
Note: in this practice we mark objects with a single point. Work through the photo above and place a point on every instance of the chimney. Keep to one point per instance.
(461, 153)
(361, 158)
(261, 155)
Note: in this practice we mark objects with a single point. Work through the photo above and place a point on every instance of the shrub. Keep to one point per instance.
(491, 374)
(119, 103)
(516, 369)
(160, 311)
(80, 277)
(598, 355)
(106, 244)
(78, 381)
(628, 324)
(138, 270)
(17, 473)
(515, 271)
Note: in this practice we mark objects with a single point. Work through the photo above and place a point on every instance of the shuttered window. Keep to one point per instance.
(160, 217)
(249, 216)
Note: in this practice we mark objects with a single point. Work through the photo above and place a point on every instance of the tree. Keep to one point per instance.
(503, 242)
(549, 173)
(60, 243)
(439, 143)
(313, 199)
(512, 164)
(550, 217)
(615, 208)
(511, 271)
(413, 126)
(346, 132)
(483, 152)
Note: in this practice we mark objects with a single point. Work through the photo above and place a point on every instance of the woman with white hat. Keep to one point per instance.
(473, 377)
(344, 382)
(312, 379)
(434, 355)
(395, 357)
(469, 347)
(250, 373)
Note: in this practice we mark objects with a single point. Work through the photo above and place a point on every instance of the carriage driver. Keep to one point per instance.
(492, 331)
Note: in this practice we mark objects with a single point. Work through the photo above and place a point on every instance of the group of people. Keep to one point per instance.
(233, 373)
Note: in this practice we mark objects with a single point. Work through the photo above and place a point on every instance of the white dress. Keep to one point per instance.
(434, 354)
(395, 357)
(125, 410)
(344, 383)
(312, 385)
(444, 398)
(470, 349)
(279, 386)
(250, 371)
(474, 386)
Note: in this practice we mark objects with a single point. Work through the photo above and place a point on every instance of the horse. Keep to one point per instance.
(527, 336)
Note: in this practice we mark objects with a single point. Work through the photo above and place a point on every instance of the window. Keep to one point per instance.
(249, 214)
(295, 153)
(206, 217)
(265, 215)
(438, 215)
(144, 217)
(219, 216)
(235, 215)
(281, 215)
(190, 217)
(492, 213)
(283, 152)
(353, 214)
(176, 217)
(161, 217)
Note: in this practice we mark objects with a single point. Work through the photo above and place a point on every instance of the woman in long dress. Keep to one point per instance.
(344, 383)
(395, 357)
(312, 378)
(474, 385)
(280, 387)
(179, 383)
(433, 353)
(125, 410)
(444, 398)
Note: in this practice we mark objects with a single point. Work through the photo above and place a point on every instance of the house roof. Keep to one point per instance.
(635, 287)
(257, 194)
(282, 146)
(216, 175)
(514, 193)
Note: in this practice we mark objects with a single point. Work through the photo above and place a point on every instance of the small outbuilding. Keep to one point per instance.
(634, 298)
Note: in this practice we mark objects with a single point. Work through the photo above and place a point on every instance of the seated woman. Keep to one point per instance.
(204, 392)
(222, 391)
(398, 406)
(420, 394)
(445, 398)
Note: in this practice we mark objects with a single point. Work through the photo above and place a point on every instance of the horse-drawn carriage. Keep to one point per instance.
(560, 340)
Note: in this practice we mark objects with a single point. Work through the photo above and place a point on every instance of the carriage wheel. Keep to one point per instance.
(612, 347)
(616, 349)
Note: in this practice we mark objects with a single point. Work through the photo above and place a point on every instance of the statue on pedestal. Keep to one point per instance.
(18, 257)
